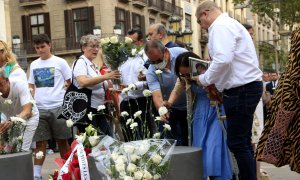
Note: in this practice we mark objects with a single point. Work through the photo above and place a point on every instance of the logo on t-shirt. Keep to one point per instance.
(44, 77)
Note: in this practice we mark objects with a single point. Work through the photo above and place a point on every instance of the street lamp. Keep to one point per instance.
(97, 31)
(117, 29)
(16, 40)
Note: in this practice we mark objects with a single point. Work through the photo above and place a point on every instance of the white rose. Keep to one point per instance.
(114, 39)
(167, 127)
(129, 121)
(132, 87)
(128, 40)
(157, 176)
(39, 155)
(128, 148)
(114, 156)
(158, 72)
(18, 119)
(162, 110)
(137, 114)
(157, 118)
(134, 157)
(121, 159)
(128, 178)
(147, 93)
(120, 167)
(144, 147)
(133, 125)
(125, 90)
(102, 41)
(69, 123)
(8, 101)
(156, 158)
(101, 107)
(147, 175)
(156, 135)
(90, 116)
(133, 51)
(138, 175)
(131, 167)
(124, 114)
(94, 140)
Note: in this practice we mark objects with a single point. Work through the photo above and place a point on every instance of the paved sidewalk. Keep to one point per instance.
(283, 173)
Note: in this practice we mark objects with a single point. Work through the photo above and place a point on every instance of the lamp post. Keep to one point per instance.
(276, 11)
(117, 29)
(97, 31)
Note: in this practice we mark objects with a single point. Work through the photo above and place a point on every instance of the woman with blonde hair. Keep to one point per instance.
(8, 61)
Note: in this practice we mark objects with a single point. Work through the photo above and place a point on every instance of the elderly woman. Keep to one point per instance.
(9, 62)
(86, 75)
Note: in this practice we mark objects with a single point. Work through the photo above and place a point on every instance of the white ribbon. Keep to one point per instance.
(83, 164)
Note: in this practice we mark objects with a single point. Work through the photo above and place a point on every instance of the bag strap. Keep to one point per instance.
(74, 67)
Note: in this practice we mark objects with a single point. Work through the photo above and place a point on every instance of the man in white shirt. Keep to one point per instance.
(133, 72)
(48, 75)
(22, 105)
(234, 71)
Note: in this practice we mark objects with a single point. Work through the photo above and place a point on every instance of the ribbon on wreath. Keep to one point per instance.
(83, 164)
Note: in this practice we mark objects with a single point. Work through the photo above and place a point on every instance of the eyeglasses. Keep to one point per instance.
(198, 19)
(94, 46)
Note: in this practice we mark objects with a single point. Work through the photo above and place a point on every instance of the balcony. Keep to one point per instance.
(124, 1)
(154, 6)
(59, 46)
(178, 11)
(24, 3)
(166, 9)
(139, 3)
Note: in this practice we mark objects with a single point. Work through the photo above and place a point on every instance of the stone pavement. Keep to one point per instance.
(275, 173)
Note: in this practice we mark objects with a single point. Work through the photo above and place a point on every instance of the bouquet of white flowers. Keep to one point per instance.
(144, 159)
(12, 140)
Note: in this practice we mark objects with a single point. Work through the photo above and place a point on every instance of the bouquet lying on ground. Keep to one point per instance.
(144, 159)
(11, 141)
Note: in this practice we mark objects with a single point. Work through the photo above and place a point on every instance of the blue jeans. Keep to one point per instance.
(240, 104)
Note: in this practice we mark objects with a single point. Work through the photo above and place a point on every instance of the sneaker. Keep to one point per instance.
(37, 178)
(50, 151)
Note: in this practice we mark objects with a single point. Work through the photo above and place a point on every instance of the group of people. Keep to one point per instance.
(234, 71)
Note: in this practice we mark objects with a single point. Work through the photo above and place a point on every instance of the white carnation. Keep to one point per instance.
(133, 51)
(157, 118)
(18, 119)
(134, 157)
(167, 127)
(132, 87)
(162, 110)
(125, 90)
(128, 148)
(94, 140)
(158, 72)
(114, 39)
(131, 167)
(138, 175)
(33, 102)
(129, 121)
(147, 93)
(39, 155)
(101, 107)
(156, 158)
(124, 114)
(80, 138)
(137, 114)
(128, 40)
(156, 135)
(133, 125)
(69, 123)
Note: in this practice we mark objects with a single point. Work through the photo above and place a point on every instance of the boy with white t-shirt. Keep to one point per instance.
(47, 78)
(21, 105)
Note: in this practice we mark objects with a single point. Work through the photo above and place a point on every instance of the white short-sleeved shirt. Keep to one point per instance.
(18, 74)
(49, 77)
(85, 67)
(19, 95)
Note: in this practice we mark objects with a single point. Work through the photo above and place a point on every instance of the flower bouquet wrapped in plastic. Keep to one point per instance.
(144, 159)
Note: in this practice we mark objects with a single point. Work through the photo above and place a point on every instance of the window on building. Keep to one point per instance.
(123, 19)
(78, 22)
(151, 20)
(38, 23)
(138, 21)
(188, 21)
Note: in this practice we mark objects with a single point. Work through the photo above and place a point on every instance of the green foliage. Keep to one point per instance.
(289, 10)
(268, 54)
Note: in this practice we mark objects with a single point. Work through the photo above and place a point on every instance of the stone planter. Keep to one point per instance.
(16, 166)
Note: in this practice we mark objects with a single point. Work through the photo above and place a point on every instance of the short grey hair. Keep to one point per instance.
(161, 29)
(155, 44)
(84, 40)
(206, 5)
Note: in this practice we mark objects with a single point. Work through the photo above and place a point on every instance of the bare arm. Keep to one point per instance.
(26, 111)
(32, 89)
(85, 81)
